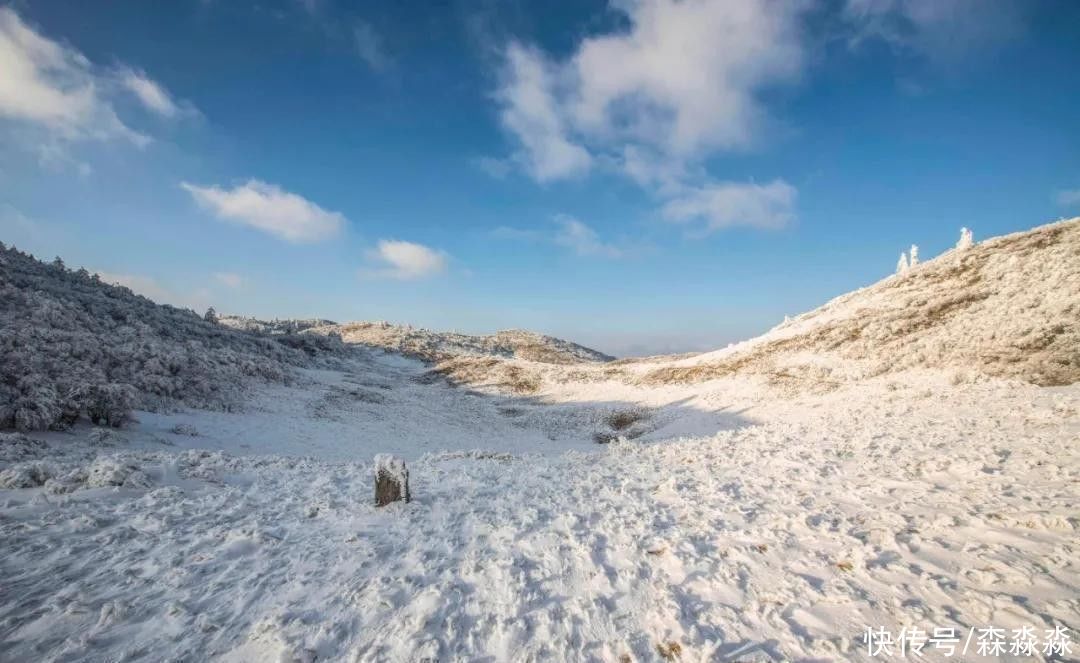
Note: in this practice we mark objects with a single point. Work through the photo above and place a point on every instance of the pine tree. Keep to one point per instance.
(914, 255)
(902, 264)
(210, 315)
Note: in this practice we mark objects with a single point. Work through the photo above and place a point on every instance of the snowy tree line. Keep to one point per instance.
(72, 346)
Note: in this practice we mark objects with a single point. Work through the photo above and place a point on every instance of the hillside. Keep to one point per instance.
(434, 346)
(1006, 307)
(288, 326)
(72, 345)
(626, 510)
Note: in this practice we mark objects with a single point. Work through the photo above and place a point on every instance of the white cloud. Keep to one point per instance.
(1068, 197)
(54, 87)
(533, 114)
(230, 279)
(582, 239)
(150, 93)
(725, 204)
(404, 261)
(369, 46)
(939, 29)
(681, 81)
(497, 168)
(569, 233)
(685, 77)
(270, 209)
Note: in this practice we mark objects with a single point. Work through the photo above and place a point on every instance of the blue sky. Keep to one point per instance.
(640, 176)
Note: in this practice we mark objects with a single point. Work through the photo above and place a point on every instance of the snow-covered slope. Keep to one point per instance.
(438, 346)
(602, 517)
(288, 326)
(72, 345)
(887, 504)
(1008, 306)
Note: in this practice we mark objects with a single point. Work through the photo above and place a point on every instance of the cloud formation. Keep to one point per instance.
(569, 233)
(726, 204)
(404, 261)
(938, 29)
(270, 209)
(582, 239)
(151, 94)
(53, 87)
(682, 81)
(533, 112)
(369, 46)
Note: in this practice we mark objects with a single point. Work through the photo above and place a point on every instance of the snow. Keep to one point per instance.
(1005, 307)
(436, 346)
(784, 532)
(746, 517)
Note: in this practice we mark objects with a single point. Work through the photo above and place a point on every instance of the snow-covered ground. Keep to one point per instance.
(886, 462)
(738, 526)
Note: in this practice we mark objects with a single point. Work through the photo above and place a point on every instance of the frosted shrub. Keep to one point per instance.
(902, 264)
(71, 345)
(37, 409)
(914, 255)
(111, 404)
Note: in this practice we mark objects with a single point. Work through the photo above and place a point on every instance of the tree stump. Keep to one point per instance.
(391, 480)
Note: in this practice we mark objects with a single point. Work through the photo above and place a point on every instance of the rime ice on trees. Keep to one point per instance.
(966, 240)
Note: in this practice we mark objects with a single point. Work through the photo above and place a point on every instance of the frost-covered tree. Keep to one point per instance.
(966, 240)
(914, 255)
(210, 315)
(902, 264)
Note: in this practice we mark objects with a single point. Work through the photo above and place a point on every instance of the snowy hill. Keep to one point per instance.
(588, 511)
(72, 345)
(289, 326)
(1007, 307)
(435, 346)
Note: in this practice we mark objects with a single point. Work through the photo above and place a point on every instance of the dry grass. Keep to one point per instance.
(1007, 308)
(501, 374)
(625, 419)
(669, 651)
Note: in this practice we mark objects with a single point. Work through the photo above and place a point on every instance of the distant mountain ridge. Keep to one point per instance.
(433, 346)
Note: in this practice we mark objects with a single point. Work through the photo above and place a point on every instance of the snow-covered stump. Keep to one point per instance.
(391, 480)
